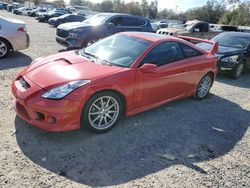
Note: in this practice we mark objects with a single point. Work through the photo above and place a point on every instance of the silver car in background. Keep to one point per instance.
(13, 36)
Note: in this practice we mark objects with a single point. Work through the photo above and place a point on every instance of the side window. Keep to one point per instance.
(201, 27)
(118, 21)
(164, 53)
(130, 21)
(141, 21)
(189, 51)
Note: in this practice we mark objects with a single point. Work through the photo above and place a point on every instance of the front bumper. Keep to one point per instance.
(226, 66)
(69, 42)
(46, 114)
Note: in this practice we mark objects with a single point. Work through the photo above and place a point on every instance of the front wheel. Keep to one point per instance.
(237, 71)
(204, 86)
(102, 112)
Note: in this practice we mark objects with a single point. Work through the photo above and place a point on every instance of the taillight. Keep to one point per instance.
(22, 29)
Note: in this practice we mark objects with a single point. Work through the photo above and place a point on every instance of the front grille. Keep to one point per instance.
(23, 83)
(62, 33)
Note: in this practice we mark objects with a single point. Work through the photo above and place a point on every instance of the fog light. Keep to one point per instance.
(51, 119)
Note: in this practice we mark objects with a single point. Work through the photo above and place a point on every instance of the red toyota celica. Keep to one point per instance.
(126, 73)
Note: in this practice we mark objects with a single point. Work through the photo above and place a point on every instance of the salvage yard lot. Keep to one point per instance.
(187, 143)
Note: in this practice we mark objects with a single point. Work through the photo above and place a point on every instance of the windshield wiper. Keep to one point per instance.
(93, 57)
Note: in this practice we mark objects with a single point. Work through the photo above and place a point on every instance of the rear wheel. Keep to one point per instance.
(204, 86)
(102, 112)
(237, 71)
(4, 48)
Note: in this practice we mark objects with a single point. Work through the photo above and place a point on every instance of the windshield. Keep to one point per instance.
(117, 50)
(64, 16)
(234, 41)
(97, 19)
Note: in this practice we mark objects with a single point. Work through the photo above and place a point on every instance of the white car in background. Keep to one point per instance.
(13, 36)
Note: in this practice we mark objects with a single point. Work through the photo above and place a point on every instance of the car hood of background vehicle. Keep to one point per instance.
(65, 67)
(223, 50)
(73, 25)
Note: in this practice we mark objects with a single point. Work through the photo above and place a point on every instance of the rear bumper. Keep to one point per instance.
(20, 41)
(49, 115)
(69, 42)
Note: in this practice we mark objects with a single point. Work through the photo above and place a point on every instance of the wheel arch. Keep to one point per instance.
(212, 75)
(120, 94)
(9, 43)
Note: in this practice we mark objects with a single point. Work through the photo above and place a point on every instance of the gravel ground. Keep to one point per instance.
(187, 143)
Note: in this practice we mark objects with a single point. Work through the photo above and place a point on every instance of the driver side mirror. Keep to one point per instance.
(148, 68)
(111, 25)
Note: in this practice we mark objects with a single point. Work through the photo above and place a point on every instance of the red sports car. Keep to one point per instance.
(126, 73)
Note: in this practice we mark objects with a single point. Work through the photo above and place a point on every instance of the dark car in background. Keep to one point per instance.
(65, 19)
(233, 53)
(46, 16)
(3, 5)
(80, 34)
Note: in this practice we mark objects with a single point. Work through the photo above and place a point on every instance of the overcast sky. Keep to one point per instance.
(181, 5)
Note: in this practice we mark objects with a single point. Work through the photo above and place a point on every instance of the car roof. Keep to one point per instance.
(236, 34)
(153, 37)
(110, 14)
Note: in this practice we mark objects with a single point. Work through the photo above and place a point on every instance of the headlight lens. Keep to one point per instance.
(73, 35)
(62, 91)
(233, 59)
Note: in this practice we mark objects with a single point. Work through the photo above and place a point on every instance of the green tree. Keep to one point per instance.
(238, 16)
(153, 9)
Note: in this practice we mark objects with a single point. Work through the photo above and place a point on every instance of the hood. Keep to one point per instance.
(223, 50)
(65, 67)
(172, 30)
(73, 25)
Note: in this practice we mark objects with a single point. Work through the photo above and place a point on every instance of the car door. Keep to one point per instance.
(171, 78)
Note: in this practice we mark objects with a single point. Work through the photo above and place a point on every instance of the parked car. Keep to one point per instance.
(233, 53)
(16, 10)
(80, 34)
(21, 11)
(65, 19)
(125, 73)
(46, 16)
(194, 28)
(13, 36)
(3, 5)
(33, 13)
(12, 6)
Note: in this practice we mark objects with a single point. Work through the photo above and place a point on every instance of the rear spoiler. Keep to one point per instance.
(215, 44)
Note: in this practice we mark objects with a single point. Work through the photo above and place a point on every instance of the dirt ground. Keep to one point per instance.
(187, 143)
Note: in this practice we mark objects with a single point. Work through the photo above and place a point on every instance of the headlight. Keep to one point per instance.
(233, 59)
(62, 91)
(73, 35)
(78, 29)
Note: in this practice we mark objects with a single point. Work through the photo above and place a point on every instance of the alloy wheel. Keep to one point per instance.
(239, 70)
(204, 86)
(3, 49)
(103, 112)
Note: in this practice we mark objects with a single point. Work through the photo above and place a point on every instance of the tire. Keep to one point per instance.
(204, 86)
(237, 70)
(4, 48)
(96, 115)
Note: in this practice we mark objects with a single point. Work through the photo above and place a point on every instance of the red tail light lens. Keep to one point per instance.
(22, 29)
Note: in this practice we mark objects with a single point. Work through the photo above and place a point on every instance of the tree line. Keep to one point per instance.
(229, 12)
